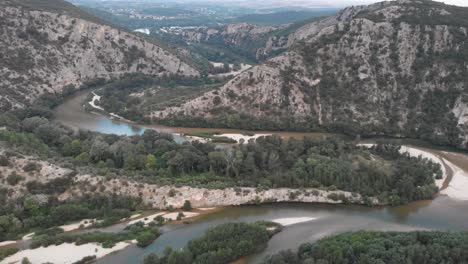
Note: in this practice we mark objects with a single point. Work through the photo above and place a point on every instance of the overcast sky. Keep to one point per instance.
(304, 3)
(276, 3)
(449, 2)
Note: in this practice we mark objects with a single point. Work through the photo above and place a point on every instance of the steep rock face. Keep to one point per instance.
(394, 68)
(45, 51)
(232, 34)
(280, 42)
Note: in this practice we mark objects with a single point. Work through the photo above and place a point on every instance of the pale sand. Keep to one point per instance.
(192, 138)
(28, 236)
(217, 64)
(147, 219)
(83, 223)
(64, 253)
(135, 216)
(292, 220)
(6, 243)
(458, 186)
(207, 208)
(95, 98)
(168, 216)
(238, 137)
(243, 68)
(173, 216)
(143, 30)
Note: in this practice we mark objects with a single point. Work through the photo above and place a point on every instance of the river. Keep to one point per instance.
(442, 213)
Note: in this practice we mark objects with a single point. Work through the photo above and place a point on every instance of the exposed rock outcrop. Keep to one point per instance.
(393, 68)
(232, 34)
(163, 197)
(45, 51)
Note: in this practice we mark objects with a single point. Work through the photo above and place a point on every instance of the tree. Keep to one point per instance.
(151, 259)
(144, 239)
(218, 162)
(99, 150)
(151, 162)
(10, 227)
(187, 206)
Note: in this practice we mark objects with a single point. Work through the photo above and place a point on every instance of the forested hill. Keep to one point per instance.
(48, 45)
(394, 68)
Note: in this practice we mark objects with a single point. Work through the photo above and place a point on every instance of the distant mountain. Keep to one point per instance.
(397, 68)
(283, 17)
(48, 45)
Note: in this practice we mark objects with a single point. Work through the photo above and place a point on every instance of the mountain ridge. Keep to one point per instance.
(46, 51)
(369, 70)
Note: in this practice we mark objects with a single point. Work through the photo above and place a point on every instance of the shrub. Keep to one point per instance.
(4, 161)
(145, 238)
(187, 206)
(31, 166)
(216, 100)
(333, 196)
(14, 179)
(180, 216)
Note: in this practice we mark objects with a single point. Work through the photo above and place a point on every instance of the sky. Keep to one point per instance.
(449, 2)
(318, 3)
(303, 3)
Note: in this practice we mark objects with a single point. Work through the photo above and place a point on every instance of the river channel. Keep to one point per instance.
(442, 213)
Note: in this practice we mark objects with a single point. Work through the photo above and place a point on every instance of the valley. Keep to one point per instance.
(141, 132)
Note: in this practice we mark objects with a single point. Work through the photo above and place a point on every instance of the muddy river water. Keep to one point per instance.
(442, 213)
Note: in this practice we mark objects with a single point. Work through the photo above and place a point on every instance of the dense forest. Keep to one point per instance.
(222, 244)
(270, 162)
(380, 247)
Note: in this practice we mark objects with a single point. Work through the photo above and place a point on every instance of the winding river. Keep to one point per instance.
(442, 213)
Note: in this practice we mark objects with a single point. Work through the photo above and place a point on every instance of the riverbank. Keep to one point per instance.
(65, 253)
(164, 197)
(70, 252)
(457, 187)
(447, 170)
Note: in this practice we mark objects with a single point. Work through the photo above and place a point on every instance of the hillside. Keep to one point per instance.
(48, 45)
(394, 68)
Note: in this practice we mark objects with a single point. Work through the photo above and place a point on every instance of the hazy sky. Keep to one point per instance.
(308, 3)
(449, 2)
(303, 3)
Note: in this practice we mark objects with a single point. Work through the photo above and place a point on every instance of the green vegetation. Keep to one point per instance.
(424, 112)
(134, 96)
(26, 214)
(270, 162)
(285, 17)
(364, 247)
(144, 236)
(187, 206)
(222, 244)
(4, 253)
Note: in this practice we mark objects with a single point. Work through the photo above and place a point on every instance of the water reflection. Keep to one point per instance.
(442, 213)
(71, 113)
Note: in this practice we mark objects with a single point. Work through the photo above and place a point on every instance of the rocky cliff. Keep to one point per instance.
(232, 34)
(164, 197)
(48, 45)
(394, 68)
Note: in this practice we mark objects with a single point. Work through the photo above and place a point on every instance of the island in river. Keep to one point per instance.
(197, 196)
